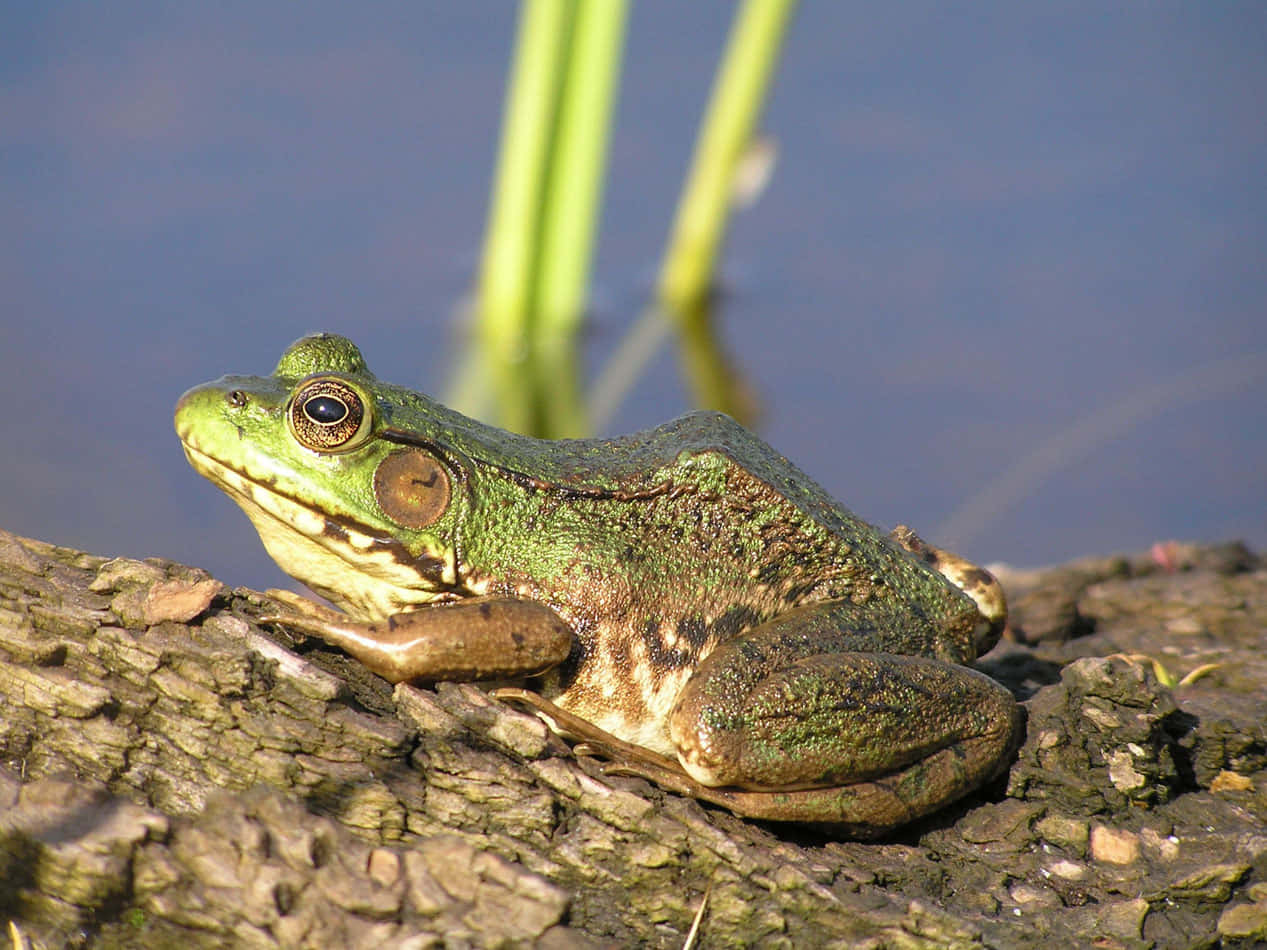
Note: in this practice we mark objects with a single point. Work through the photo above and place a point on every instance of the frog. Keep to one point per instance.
(684, 601)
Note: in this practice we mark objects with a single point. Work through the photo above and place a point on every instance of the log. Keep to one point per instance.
(174, 773)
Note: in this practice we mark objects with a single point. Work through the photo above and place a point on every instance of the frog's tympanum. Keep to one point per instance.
(684, 599)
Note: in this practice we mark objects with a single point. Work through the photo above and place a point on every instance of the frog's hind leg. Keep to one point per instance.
(811, 728)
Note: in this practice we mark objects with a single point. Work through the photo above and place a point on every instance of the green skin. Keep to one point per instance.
(685, 598)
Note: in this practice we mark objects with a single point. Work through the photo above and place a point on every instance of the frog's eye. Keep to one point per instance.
(327, 415)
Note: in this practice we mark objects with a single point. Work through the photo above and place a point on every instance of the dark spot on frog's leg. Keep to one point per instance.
(517, 637)
(978, 577)
(733, 621)
(796, 592)
(661, 655)
(485, 611)
(694, 631)
(769, 573)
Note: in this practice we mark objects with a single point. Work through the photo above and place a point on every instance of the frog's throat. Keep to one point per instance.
(369, 577)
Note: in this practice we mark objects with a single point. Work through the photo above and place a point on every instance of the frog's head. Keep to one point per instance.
(365, 515)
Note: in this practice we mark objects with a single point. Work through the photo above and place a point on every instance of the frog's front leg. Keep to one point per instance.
(476, 638)
(795, 722)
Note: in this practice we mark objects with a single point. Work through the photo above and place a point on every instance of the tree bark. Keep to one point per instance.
(175, 774)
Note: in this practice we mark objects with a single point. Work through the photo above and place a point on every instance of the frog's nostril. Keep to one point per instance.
(236, 398)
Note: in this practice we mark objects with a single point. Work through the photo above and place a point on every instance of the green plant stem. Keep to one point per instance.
(686, 274)
(572, 207)
(576, 164)
(510, 248)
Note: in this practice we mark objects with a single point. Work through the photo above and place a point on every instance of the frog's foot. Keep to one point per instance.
(624, 758)
(294, 610)
(978, 583)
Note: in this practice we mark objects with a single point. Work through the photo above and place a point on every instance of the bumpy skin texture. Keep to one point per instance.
(723, 608)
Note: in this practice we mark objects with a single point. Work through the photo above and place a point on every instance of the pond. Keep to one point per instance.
(1005, 285)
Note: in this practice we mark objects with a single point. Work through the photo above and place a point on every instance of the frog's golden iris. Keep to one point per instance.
(327, 415)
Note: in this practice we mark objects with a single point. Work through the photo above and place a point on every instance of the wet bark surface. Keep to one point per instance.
(171, 773)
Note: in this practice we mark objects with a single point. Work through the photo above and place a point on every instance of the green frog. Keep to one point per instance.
(684, 600)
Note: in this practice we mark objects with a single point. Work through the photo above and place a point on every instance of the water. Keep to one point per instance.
(994, 234)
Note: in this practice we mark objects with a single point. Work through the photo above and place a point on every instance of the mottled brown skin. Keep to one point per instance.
(730, 630)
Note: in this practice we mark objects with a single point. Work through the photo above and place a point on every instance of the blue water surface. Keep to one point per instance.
(1006, 286)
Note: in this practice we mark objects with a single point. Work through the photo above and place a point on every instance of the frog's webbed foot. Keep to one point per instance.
(289, 609)
(978, 583)
(623, 758)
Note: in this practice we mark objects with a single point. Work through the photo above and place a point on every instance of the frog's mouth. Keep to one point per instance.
(344, 561)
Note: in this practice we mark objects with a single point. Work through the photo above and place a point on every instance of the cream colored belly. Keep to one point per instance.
(634, 708)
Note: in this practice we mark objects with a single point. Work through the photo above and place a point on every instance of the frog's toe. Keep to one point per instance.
(288, 606)
(978, 583)
(621, 757)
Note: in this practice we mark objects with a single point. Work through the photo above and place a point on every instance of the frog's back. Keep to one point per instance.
(816, 547)
(751, 529)
(681, 450)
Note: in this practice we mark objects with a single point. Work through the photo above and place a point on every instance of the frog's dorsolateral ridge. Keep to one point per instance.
(685, 598)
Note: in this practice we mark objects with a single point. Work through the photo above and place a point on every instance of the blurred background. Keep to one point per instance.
(1006, 286)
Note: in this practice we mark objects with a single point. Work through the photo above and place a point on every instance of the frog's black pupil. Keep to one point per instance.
(325, 410)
